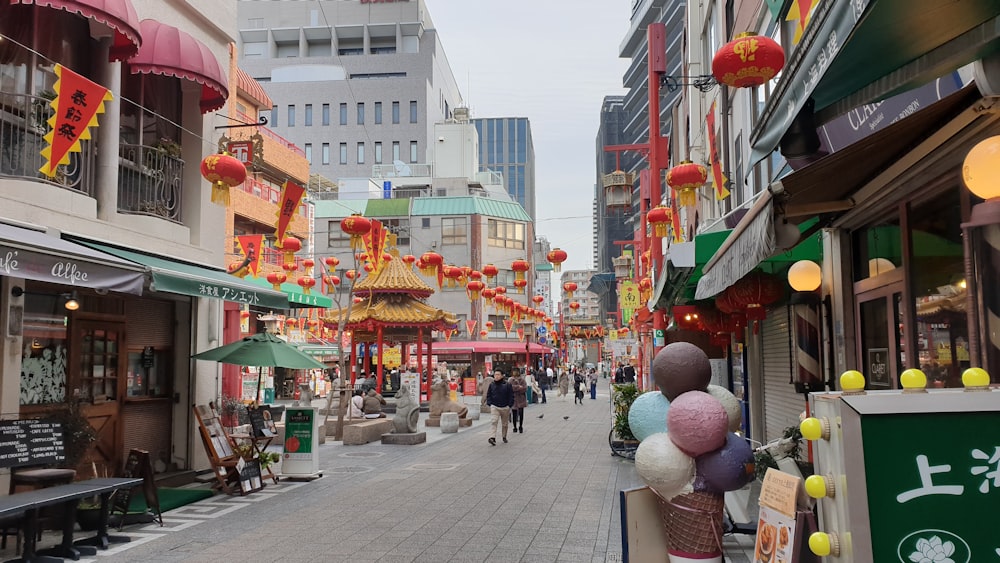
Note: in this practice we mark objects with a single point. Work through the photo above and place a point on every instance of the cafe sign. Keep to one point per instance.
(66, 270)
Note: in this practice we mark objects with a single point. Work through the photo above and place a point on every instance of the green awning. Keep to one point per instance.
(173, 276)
(864, 51)
(379, 208)
(297, 297)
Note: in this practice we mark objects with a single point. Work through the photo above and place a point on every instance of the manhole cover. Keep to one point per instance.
(340, 470)
(433, 466)
(363, 454)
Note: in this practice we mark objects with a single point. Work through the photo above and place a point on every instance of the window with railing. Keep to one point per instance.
(505, 234)
(400, 228)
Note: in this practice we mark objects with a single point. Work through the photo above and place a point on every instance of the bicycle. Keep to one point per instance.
(739, 504)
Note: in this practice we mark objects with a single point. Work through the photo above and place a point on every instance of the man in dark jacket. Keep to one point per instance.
(543, 379)
(500, 397)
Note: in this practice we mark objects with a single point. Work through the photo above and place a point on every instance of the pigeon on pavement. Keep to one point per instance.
(565, 418)
(541, 415)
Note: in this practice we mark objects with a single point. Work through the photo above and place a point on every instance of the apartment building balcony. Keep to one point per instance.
(150, 181)
(23, 125)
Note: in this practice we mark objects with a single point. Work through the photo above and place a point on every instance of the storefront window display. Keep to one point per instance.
(939, 290)
(43, 360)
(147, 373)
(877, 250)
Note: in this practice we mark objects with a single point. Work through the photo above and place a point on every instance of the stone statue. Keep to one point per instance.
(440, 402)
(407, 412)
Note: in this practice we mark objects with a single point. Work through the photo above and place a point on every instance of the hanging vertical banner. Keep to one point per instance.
(801, 11)
(718, 178)
(291, 196)
(628, 300)
(374, 241)
(507, 325)
(471, 327)
(252, 248)
(675, 221)
(520, 334)
(74, 111)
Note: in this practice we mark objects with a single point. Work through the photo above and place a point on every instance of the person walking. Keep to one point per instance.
(500, 397)
(563, 383)
(544, 380)
(529, 380)
(592, 377)
(520, 388)
(579, 387)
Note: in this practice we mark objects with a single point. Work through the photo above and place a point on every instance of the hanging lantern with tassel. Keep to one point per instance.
(490, 271)
(659, 218)
(276, 279)
(357, 226)
(748, 61)
(556, 257)
(474, 287)
(290, 246)
(223, 171)
(306, 284)
(520, 267)
(569, 288)
(686, 179)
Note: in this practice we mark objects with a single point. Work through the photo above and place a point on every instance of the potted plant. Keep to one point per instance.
(622, 398)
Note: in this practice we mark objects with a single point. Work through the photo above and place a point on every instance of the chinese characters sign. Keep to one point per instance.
(74, 112)
(933, 484)
(291, 196)
(251, 247)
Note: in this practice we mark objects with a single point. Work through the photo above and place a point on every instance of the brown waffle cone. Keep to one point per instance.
(693, 522)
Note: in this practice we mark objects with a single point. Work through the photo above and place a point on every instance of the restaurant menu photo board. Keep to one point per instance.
(30, 442)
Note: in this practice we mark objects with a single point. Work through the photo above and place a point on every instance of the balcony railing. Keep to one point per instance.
(402, 170)
(149, 182)
(23, 124)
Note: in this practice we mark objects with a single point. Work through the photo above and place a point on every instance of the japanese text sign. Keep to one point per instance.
(74, 111)
(291, 196)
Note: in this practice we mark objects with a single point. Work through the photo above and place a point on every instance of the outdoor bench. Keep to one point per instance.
(368, 431)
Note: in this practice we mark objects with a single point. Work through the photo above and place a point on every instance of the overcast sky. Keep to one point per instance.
(552, 61)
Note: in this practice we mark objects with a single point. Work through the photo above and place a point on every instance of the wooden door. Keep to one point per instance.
(100, 347)
(881, 343)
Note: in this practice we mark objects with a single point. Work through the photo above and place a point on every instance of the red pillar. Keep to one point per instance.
(659, 154)
(351, 357)
(430, 368)
(420, 357)
(232, 377)
(381, 343)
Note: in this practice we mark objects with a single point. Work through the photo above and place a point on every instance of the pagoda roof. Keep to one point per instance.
(395, 277)
(394, 310)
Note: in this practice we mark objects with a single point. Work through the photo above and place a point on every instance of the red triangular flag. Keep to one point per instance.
(74, 112)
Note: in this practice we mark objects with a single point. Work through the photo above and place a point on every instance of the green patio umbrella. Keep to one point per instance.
(262, 350)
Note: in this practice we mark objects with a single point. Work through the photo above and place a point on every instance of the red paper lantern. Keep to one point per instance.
(276, 279)
(727, 305)
(224, 171)
(537, 300)
(453, 274)
(356, 225)
(499, 302)
(574, 305)
(488, 324)
(483, 333)
(474, 287)
(290, 246)
(409, 259)
(306, 284)
(490, 271)
(520, 267)
(645, 289)
(748, 61)
(358, 300)
(659, 217)
(686, 317)
(501, 290)
(475, 275)
(431, 263)
(520, 285)
(556, 256)
(489, 293)
(289, 267)
(244, 314)
(331, 261)
(369, 267)
(569, 288)
(351, 274)
(623, 332)
(685, 179)
(754, 292)
(308, 263)
(386, 257)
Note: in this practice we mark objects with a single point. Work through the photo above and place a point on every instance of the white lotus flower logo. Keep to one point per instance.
(933, 550)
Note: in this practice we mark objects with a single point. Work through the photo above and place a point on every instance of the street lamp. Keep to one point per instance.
(805, 275)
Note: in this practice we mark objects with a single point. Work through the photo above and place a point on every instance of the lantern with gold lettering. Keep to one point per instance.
(290, 246)
(276, 279)
(356, 225)
(556, 256)
(685, 179)
(569, 288)
(659, 218)
(224, 171)
(519, 267)
(490, 271)
(748, 61)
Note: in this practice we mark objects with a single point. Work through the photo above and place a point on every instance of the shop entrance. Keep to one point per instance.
(881, 349)
(100, 345)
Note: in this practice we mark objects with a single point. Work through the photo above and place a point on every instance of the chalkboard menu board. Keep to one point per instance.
(138, 465)
(250, 477)
(30, 442)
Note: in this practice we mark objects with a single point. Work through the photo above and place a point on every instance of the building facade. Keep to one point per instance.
(354, 84)
(611, 224)
(505, 146)
(119, 276)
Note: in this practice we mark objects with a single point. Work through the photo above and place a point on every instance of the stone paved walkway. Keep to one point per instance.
(550, 494)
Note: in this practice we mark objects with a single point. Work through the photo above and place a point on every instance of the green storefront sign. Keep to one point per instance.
(932, 475)
(299, 428)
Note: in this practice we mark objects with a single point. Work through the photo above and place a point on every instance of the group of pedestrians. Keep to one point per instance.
(508, 397)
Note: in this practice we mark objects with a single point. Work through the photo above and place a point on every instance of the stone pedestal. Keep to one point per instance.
(406, 439)
(474, 411)
(449, 423)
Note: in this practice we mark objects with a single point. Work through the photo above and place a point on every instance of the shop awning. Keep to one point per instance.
(253, 89)
(184, 278)
(834, 183)
(119, 15)
(488, 347)
(168, 51)
(296, 297)
(863, 51)
(35, 255)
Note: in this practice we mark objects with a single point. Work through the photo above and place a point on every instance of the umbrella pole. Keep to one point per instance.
(260, 377)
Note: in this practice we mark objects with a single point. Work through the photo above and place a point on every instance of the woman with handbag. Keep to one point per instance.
(520, 388)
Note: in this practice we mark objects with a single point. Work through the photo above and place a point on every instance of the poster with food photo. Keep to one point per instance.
(775, 532)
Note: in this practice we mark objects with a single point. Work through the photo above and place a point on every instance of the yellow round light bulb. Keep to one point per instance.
(913, 379)
(816, 486)
(975, 377)
(805, 275)
(811, 428)
(819, 543)
(982, 168)
(852, 380)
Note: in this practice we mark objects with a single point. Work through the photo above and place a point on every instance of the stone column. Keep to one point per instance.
(108, 136)
(196, 192)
